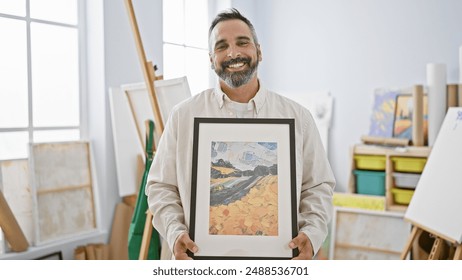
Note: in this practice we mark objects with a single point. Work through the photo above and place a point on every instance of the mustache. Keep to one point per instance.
(235, 60)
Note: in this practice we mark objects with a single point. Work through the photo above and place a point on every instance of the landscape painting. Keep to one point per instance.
(244, 188)
(402, 127)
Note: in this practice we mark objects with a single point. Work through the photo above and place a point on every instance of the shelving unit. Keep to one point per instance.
(389, 153)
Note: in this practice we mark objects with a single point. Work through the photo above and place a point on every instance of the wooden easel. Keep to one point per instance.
(435, 203)
(149, 77)
(437, 249)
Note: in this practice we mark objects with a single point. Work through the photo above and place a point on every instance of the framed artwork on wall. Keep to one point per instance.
(243, 191)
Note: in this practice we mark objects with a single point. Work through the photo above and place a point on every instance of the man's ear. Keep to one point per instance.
(260, 58)
(211, 62)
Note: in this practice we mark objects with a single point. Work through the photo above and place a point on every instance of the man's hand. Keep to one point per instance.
(182, 245)
(303, 243)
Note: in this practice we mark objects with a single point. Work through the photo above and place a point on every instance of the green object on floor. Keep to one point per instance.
(136, 230)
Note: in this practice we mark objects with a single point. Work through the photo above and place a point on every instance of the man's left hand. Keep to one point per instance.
(303, 243)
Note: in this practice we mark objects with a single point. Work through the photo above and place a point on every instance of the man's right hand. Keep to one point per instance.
(182, 245)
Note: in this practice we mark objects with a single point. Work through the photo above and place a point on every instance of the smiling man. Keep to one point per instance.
(235, 55)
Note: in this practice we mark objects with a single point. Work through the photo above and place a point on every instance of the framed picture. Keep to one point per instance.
(402, 125)
(243, 189)
(383, 110)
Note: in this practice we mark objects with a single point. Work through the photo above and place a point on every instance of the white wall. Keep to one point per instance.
(349, 47)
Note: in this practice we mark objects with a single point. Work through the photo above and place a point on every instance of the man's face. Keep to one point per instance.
(234, 54)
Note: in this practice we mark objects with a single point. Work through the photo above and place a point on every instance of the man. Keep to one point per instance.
(235, 55)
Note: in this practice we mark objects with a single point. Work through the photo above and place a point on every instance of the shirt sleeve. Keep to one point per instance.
(318, 182)
(161, 189)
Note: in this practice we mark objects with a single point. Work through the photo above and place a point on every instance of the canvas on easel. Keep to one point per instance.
(168, 92)
(127, 147)
(130, 108)
(435, 206)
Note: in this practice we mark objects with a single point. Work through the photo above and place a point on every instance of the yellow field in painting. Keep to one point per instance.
(254, 214)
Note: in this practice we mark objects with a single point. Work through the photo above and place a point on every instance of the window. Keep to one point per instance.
(185, 29)
(40, 88)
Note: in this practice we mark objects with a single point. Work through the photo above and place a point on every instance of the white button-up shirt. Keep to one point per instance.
(169, 183)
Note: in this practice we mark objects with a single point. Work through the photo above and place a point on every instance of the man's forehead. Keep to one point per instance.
(234, 28)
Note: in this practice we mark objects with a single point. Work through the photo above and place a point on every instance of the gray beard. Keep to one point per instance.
(237, 79)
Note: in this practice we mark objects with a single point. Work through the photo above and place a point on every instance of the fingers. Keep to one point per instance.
(182, 245)
(299, 241)
(303, 243)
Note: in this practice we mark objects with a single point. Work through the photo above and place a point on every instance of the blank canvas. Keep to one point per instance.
(14, 183)
(127, 146)
(359, 234)
(436, 203)
(63, 188)
(130, 108)
(168, 92)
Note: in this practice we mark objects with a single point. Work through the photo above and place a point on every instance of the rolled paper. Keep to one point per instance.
(417, 116)
(436, 80)
(459, 97)
(460, 68)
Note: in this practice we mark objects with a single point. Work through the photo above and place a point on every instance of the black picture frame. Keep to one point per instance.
(247, 213)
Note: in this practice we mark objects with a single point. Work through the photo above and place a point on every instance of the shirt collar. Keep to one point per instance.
(257, 101)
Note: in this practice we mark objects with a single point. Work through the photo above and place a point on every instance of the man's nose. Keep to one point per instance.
(233, 52)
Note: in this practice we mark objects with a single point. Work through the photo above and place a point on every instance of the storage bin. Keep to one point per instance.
(370, 182)
(370, 162)
(402, 196)
(405, 180)
(409, 164)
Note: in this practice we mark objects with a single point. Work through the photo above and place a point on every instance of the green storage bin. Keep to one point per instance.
(370, 162)
(370, 182)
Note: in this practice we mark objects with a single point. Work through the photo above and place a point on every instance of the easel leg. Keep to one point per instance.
(437, 249)
(458, 253)
(415, 232)
(149, 77)
(146, 237)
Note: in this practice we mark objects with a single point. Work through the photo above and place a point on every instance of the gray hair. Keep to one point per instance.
(230, 14)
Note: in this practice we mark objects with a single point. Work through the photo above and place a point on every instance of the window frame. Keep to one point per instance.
(186, 46)
(80, 26)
